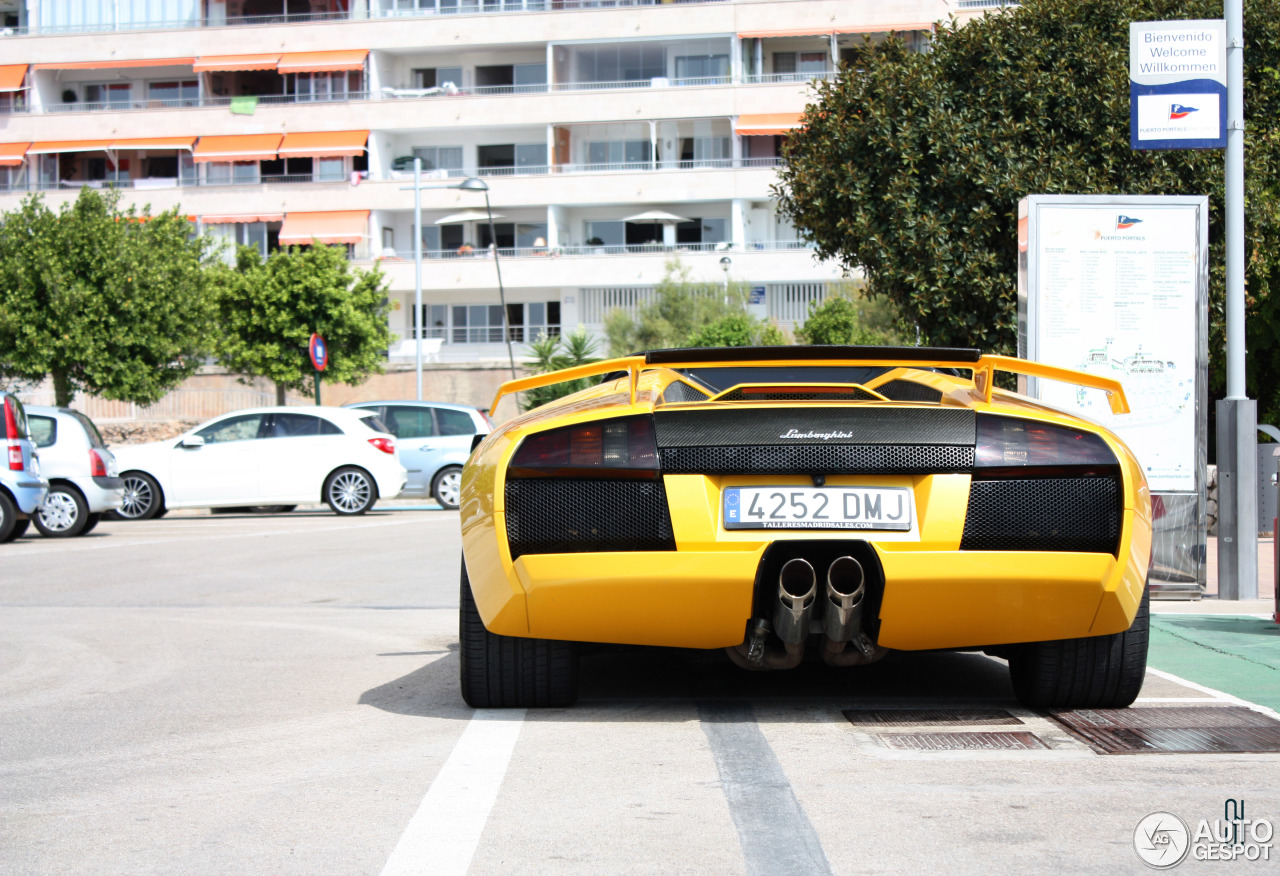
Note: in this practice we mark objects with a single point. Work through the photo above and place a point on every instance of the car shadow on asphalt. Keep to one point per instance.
(613, 676)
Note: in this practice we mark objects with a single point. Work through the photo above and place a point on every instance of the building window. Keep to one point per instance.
(447, 159)
(305, 87)
(482, 323)
(603, 155)
(108, 95)
(702, 66)
(331, 169)
(185, 92)
(229, 173)
(438, 77)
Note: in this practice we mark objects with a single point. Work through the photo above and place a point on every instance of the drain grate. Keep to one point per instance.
(928, 717)
(1173, 729)
(1017, 740)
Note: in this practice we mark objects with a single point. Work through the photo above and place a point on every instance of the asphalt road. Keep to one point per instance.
(239, 694)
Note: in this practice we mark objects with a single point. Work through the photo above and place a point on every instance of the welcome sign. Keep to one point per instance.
(1178, 84)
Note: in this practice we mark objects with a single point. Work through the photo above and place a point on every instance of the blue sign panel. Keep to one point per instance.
(1177, 85)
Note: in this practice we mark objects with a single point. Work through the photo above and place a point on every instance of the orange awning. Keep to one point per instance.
(798, 32)
(11, 154)
(231, 63)
(12, 76)
(324, 144)
(885, 28)
(154, 143)
(340, 226)
(322, 62)
(229, 218)
(45, 147)
(767, 123)
(238, 147)
(111, 65)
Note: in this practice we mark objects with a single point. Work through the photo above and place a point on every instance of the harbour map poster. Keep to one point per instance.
(1115, 290)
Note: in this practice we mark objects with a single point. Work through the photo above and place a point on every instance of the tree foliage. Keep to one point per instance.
(268, 310)
(739, 329)
(554, 353)
(681, 311)
(911, 168)
(848, 316)
(102, 300)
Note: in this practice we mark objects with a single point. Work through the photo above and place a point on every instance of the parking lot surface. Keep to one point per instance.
(245, 694)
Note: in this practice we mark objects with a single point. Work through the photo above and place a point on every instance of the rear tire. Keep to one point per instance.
(63, 514)
(1097, 672)
(8, 518)
(90, 522)
(350, 491)
(142, 499)
(508, 672)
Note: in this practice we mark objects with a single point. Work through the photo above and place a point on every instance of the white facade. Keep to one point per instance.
(577, 114)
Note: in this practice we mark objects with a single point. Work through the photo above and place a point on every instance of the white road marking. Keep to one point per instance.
(63, 547)
(1218, 695)
(442, 836)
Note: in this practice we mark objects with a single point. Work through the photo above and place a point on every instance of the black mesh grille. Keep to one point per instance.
(853, 394)
(562, 516)
(1050, 514)
(678, 392)
(818, 459)
(909, 391)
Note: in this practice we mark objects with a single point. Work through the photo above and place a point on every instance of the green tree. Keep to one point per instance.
(553, 353)
(268, 310)
(679, 308)
(739, 329)
(911, 167)
(101, 300)
(848, 317)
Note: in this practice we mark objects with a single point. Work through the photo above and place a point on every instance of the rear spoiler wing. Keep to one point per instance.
(983, 368)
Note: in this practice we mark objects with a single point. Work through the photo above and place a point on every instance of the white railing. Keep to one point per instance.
(180, 404)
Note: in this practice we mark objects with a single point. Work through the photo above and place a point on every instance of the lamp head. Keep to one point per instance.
(472, 184)
(725, 264)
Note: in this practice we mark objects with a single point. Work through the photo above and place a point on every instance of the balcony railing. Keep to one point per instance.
(423, 10)
(582, 249)
(398, 176)
(192, 102)
(774, 78)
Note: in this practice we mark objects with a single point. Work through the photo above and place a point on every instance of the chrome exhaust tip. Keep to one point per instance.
(797, 593)
(845, 589)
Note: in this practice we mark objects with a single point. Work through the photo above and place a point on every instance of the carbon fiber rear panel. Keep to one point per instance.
(909, 391)
(817, 459)
(1048, 514)
(815, 425)
(568, 516)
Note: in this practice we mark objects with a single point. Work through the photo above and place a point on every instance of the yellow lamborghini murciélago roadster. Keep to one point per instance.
(778, 502)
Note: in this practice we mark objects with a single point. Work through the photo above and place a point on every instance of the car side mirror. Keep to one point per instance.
(193, 441)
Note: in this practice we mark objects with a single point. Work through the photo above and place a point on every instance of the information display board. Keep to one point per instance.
(1118, 286)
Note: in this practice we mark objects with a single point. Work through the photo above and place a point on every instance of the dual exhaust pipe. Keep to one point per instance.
(797, 602)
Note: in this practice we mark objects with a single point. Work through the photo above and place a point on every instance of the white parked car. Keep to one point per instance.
(84, 481)
(265, 456)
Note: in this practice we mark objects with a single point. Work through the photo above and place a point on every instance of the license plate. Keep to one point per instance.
(886, 508)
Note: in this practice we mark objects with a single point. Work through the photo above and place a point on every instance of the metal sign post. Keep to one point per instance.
(318, 350)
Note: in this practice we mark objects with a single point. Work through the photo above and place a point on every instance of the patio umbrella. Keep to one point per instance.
(657, 216)
(468, 216)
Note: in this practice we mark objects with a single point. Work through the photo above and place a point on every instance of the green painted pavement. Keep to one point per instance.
(1237, 655)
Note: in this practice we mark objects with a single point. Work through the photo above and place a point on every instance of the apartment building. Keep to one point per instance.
(613, 136)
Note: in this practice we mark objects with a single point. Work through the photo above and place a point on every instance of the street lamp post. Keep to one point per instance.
(470, 184)
(725, 264)
(475, 184)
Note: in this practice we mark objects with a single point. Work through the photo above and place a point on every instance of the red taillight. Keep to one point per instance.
(386, 445)
(1010, 443)
(609, 448)
(15, 457)
(97, 468)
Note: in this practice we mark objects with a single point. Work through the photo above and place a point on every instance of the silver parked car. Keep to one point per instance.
(435, 439)
(22, 489)
(84, 482)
